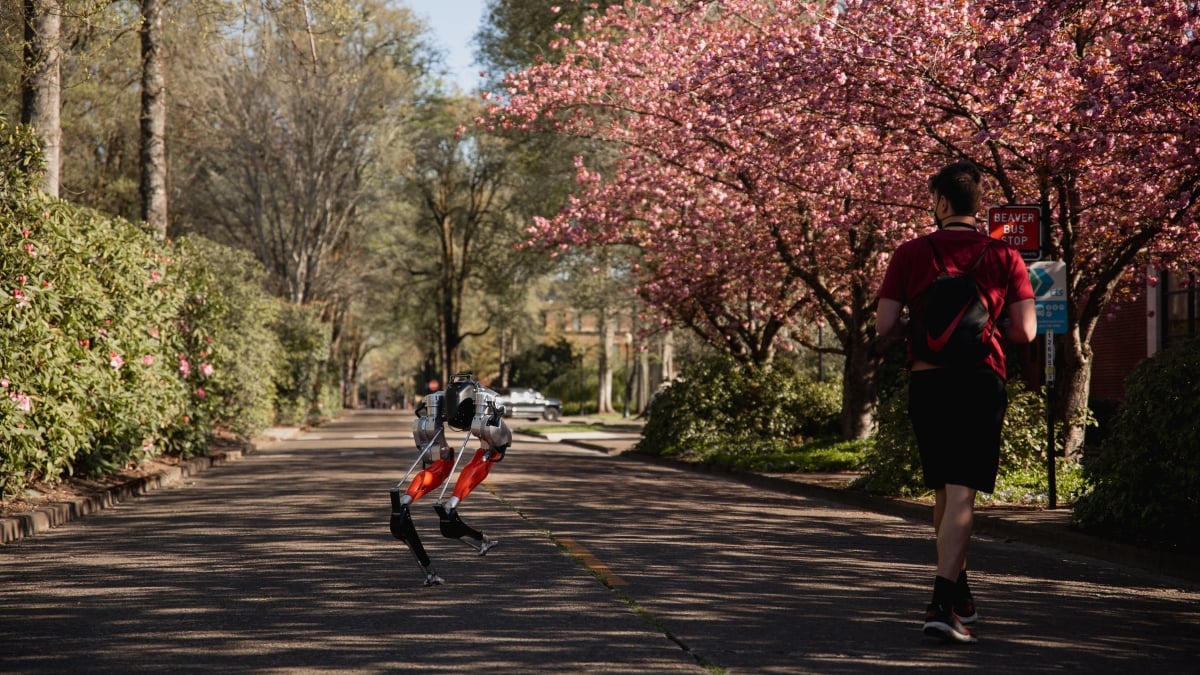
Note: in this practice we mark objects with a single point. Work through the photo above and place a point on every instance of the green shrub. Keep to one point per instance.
(718, 406)
(86, 311)
(227, 348)
(1145, 485)
(107, 336)
(893, 466)
(540, 365)
(301, 374)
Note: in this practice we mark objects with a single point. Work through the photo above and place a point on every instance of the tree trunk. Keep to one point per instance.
(860, 390)
(1074, 389)
(153, 184)
(668, 357)
(41, 84)
(605, 374)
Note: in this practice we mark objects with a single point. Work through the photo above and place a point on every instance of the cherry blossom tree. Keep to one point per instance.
(744, 208)
(1087, 108)
(773, 154)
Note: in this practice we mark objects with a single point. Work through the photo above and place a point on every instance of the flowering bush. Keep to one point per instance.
(116, 347)
(226, 345)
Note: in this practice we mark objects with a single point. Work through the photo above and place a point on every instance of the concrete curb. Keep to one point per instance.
(51, 515)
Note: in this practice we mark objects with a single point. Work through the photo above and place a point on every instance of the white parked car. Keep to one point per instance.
(530, 404)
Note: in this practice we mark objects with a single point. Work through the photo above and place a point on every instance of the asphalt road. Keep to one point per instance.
(282, 562)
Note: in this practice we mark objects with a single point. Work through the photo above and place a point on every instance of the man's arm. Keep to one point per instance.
(1022, 326)
(888, 321)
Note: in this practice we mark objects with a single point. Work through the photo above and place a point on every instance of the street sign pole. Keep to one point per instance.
(1049, 281)
(1052, 488)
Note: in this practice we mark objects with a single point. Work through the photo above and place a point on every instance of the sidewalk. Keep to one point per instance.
(1031, 525)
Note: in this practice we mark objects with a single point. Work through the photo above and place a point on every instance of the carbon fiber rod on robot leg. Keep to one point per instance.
(424, 451)
(457, 458)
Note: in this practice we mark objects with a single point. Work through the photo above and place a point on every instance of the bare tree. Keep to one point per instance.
(461, 231)
(285, 173)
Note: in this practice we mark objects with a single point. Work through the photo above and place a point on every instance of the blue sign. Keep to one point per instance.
(1049, 281)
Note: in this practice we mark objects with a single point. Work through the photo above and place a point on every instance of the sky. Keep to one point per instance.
(453, 23)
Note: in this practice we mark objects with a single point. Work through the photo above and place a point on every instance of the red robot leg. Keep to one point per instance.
(430, 479)
(472, 475)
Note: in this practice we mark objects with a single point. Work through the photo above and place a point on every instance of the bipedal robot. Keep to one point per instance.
(466, 405)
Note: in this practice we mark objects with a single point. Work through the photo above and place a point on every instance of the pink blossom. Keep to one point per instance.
(22, 401)
(206, 369)
(4, 383)
(185, 368)
(30, 250)
(200, 392)
(148, 359)
(115, 360)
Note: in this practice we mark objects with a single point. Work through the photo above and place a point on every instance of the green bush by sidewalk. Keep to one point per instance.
(1145, 485)
(116, 347)
(720, 411)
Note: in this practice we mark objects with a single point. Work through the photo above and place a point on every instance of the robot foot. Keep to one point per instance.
(487, 544)
(452, 525)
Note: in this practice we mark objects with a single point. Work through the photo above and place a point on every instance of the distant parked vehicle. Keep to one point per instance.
(530, 404)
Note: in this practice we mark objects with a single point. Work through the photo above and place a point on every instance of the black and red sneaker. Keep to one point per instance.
(942, 623)
(965, 609)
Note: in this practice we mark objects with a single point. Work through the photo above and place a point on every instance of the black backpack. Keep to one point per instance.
(955, 325)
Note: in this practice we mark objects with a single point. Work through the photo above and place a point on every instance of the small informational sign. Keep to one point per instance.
(1049, 281)
(1019, 225)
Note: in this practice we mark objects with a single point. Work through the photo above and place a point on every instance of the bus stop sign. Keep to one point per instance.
(1019, 225)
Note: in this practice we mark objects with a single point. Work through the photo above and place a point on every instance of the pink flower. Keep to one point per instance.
(4, 383)
(206, 369)
(185, 368)
(115, 360)
(22, 401)
(148, 359)
(29, 249)
(200, 392)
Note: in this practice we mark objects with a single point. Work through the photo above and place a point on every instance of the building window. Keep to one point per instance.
(1179, 309)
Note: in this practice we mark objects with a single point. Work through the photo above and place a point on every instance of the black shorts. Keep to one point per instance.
(957, 416)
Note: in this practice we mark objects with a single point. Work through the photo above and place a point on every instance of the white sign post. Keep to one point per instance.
(1049, 281)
